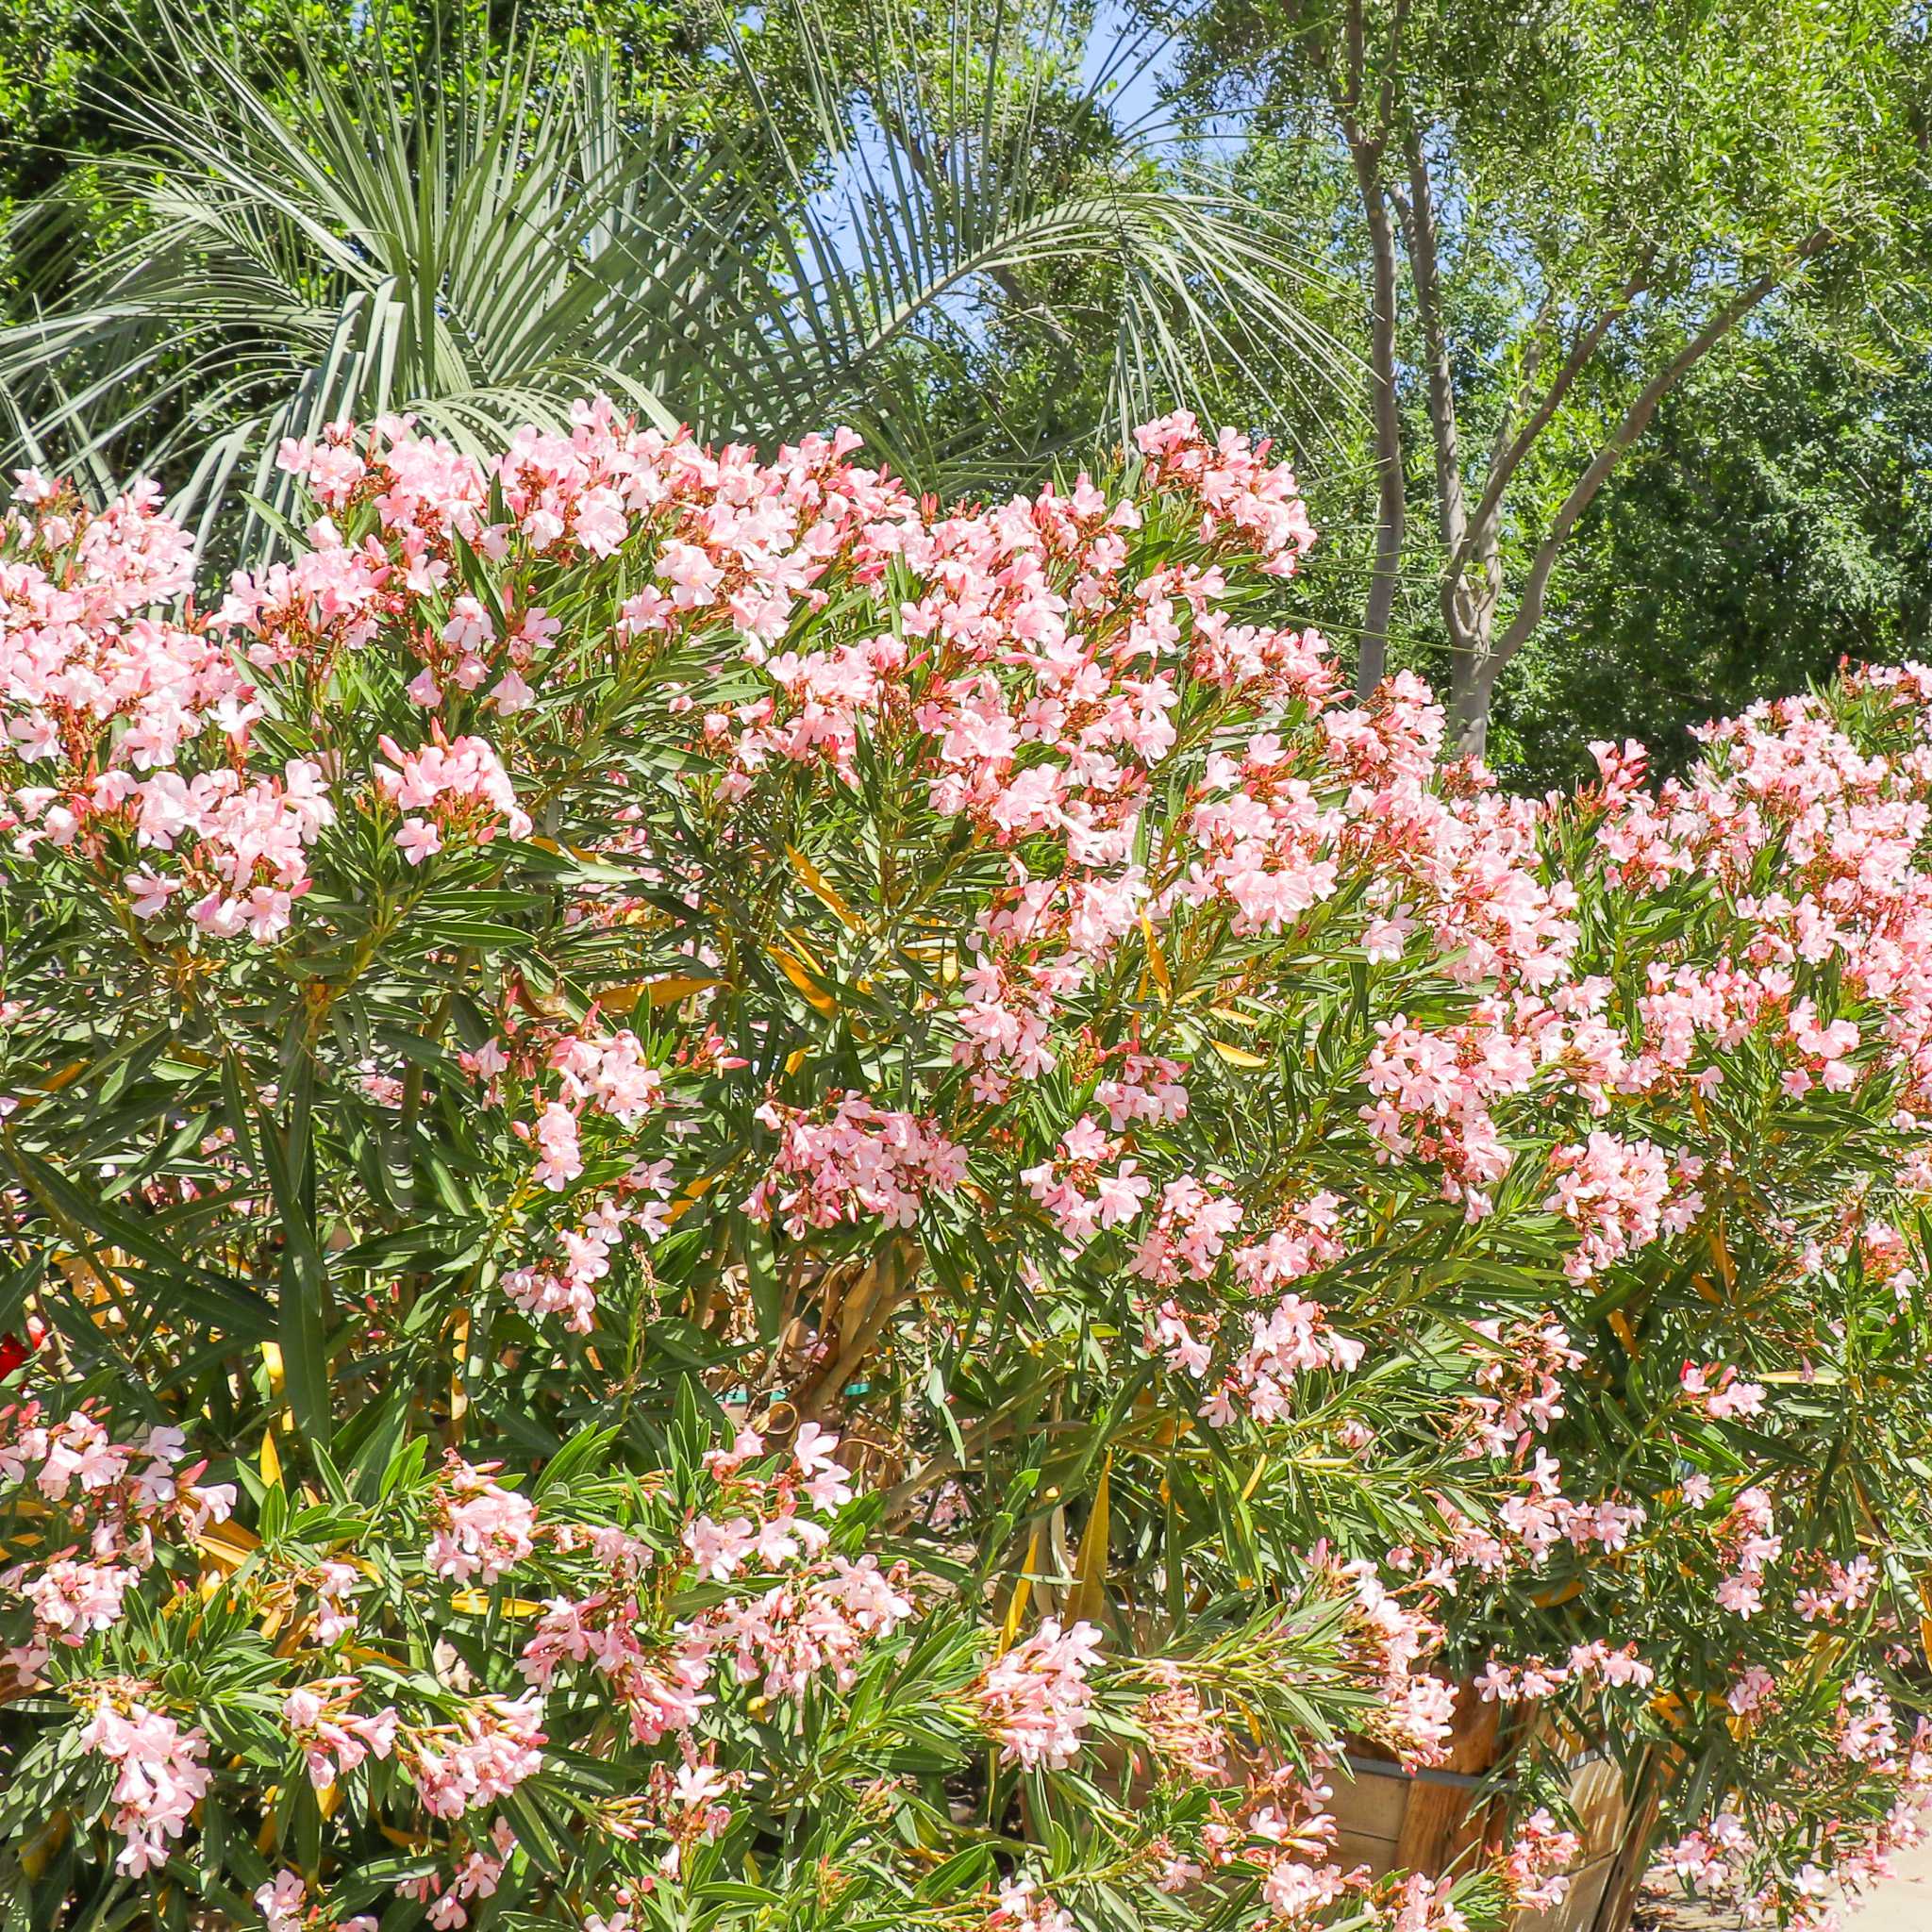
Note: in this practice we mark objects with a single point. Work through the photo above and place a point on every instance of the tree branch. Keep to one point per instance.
(1418, 212)
(1354, 53)
(1391, 68)
(1482, 525)
(1391, 482)
(1634, 420)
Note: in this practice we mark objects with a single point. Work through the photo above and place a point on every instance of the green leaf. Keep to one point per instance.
(303, 1308)
(218, 1299)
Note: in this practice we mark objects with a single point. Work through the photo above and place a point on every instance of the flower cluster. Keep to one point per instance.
(860, 1162)
(1034, 1698)
(104, 1502)
(160, 1775)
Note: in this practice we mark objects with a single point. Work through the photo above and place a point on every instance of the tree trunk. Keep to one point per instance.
(1469, 615)
(1391, 493)
(1472, 684)
(1366, 145)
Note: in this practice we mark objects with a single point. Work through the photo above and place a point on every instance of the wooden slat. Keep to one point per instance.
(1439, 1822)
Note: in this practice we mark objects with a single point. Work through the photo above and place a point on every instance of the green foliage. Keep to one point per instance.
(1774, 525)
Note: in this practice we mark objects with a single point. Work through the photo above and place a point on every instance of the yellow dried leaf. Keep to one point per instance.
(799, 974)
(1088, 1598)
(658, 992)
(51, 1084)
(1022, 1588)
(803, 947)
(1669, 1706)
(1238, 1055)
(576, 852)
(474, 1602)
(821, 887)
(693, 1192)
(36, 1855)
(459, 1349)
(90, 1286)
(361, 1654)
(227, 1545)
(1726, 1269)
(1157, 963)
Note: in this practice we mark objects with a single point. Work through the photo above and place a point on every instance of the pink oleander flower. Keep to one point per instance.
(1613, 1192)
(816, 1626)
(482, 1530)
(1034, 1699)
(862, 1162)
(1151, 879)
(1534, 1866)
(334, 1737)
(161, 1776)
(491, 1749)
(1021, 1907)
(460, 785)
(1723, 1393)
(283, 1902)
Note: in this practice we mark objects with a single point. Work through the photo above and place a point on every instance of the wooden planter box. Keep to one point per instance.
(1427, 1820)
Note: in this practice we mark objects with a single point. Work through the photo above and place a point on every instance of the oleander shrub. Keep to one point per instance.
(729, 1201)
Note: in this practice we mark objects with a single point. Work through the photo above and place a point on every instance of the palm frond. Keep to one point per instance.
(480, 238)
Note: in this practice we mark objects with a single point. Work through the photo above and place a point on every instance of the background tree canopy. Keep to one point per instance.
(1558, 213)
(1599, 333)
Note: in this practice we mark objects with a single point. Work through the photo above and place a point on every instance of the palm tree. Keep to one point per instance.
(480, 238)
